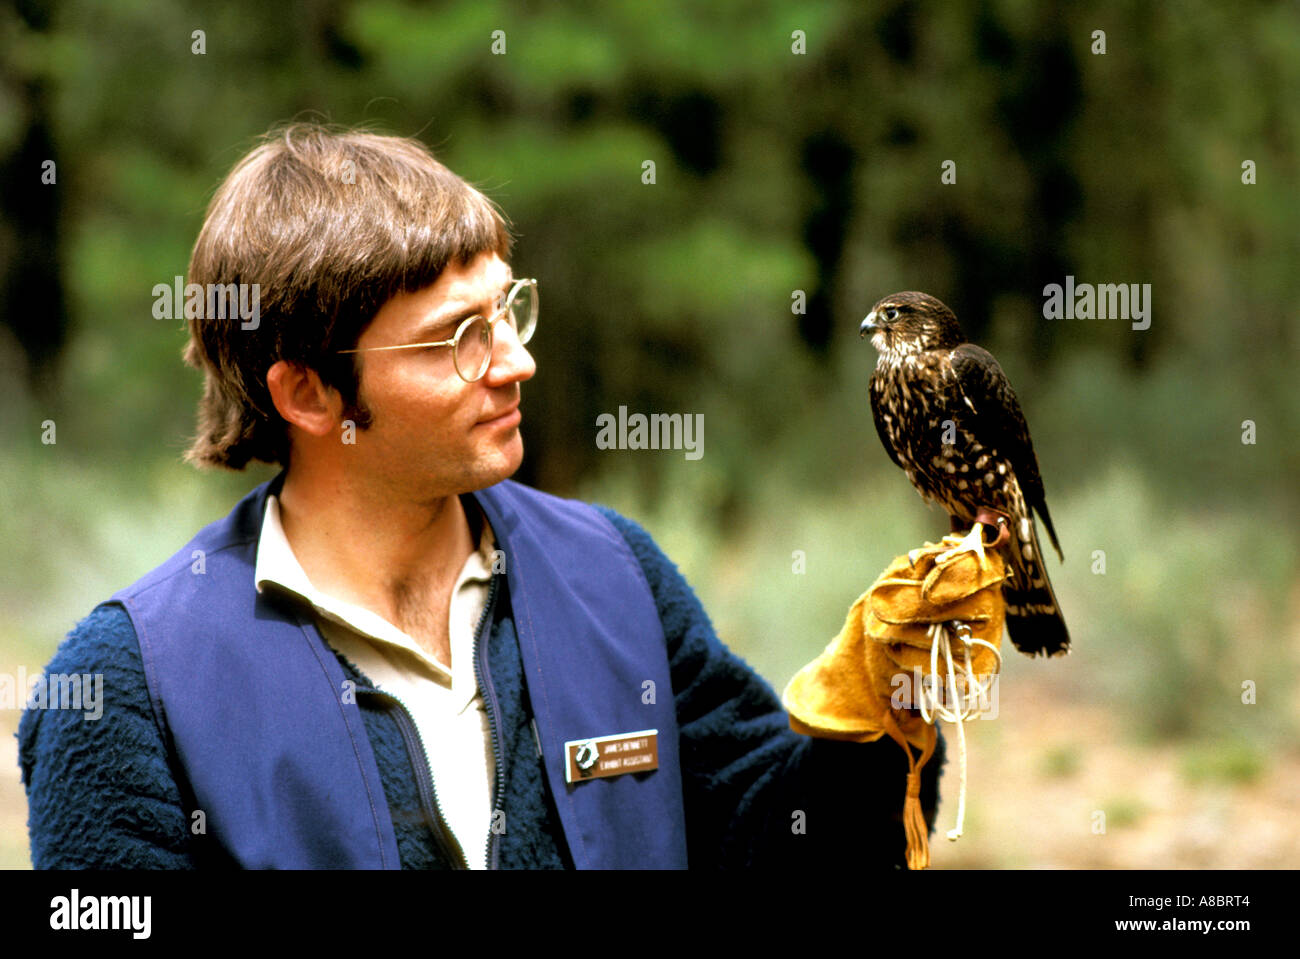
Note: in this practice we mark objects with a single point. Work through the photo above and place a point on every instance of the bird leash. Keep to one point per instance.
(968, 706)
(935, 614)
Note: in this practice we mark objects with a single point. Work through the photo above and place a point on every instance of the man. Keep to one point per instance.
(390, 656)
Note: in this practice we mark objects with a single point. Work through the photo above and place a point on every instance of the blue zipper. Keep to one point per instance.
(429, 805)
(415, 751)
(484, 679)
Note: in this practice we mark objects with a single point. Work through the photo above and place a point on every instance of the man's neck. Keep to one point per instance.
(397, 558)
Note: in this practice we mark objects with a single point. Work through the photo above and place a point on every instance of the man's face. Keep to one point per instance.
(433, 434)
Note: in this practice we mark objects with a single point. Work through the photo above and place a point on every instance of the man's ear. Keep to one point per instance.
(302, 399)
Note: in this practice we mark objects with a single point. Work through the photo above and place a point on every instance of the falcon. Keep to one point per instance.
(947, 415)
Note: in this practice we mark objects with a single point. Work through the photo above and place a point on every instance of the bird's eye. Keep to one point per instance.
(891, 314)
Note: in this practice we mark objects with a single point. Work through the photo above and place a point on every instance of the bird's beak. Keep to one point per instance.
(869, 325)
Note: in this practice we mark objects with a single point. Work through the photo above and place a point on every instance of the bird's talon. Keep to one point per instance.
(972, 542)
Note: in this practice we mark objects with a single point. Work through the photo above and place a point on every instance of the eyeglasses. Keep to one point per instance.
(471, 347)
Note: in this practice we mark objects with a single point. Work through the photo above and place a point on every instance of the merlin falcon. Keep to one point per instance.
(947, 416)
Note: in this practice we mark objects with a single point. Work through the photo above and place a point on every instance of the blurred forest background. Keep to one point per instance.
(777, 170)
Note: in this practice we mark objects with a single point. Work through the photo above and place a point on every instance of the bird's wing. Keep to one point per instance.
(999, 423)
(878, 414)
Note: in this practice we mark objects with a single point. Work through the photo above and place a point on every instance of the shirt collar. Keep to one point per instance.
(278, 566)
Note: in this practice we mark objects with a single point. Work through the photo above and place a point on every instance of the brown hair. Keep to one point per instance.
(329, 224)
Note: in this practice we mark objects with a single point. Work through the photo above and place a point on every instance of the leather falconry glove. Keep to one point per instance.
(865, 684)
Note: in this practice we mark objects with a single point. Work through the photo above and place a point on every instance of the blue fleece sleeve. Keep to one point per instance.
(747, 777)
(100, 792)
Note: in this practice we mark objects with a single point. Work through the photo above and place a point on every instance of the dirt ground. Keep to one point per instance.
(1042, 771)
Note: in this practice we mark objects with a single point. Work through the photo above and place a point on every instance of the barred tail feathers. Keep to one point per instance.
(1034, 619)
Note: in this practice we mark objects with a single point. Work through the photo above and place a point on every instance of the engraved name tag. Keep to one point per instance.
(611, 755)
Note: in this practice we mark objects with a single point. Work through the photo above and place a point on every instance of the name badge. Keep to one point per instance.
(611, 755)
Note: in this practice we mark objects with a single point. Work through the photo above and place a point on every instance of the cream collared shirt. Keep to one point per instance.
(446, 704)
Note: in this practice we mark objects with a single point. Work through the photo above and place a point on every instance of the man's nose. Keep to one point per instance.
(510, 358)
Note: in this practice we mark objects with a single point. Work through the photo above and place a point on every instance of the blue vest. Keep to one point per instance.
(252, 700)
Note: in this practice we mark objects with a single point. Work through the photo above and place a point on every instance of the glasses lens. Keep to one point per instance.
(523, 311)
(473, 349)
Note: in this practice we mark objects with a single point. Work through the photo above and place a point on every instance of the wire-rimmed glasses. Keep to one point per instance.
(471, 347)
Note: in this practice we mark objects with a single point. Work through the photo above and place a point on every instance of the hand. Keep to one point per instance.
(865, 680)
(851, 691)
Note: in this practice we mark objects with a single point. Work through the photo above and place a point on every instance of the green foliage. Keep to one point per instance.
(775, 173)
(1233, 762)
(1061, 762)
(1124, 811)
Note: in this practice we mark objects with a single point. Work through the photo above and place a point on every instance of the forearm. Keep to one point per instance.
(756, 792)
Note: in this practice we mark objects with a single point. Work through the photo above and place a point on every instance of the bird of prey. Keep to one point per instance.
(947, 415)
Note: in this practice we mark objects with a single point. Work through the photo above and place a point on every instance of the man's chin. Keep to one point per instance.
(506, 464)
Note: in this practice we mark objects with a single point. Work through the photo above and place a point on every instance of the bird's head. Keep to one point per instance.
(908, 323)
